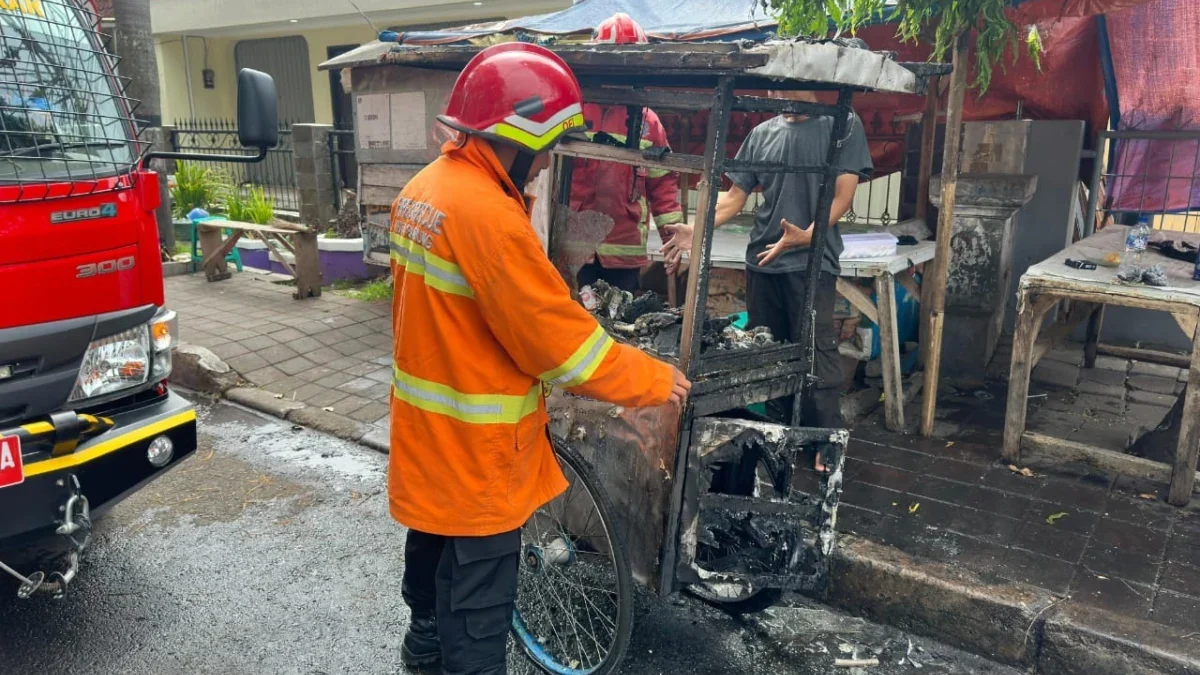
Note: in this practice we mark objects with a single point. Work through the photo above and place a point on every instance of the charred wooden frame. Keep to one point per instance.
(791, 534)
(730, 381)
(780, 539)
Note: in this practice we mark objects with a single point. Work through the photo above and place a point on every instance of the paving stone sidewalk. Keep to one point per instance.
(332, 354)
(1107, 543)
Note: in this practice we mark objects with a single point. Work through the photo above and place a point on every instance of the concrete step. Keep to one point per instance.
(1009, 622)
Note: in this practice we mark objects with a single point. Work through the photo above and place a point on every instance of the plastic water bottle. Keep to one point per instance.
(1135, 244)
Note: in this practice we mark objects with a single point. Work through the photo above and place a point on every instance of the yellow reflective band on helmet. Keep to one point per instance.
(668, 218)
(437, 273)
(534, 142)
(470, 408)
(580, 367)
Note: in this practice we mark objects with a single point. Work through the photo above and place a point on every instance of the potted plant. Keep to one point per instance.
(195, 185)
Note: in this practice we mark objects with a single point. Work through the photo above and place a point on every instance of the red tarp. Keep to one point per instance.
(1069, 86)
(1156, 54)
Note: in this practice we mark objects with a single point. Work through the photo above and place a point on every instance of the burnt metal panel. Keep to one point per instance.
(742, 524)
(632, 451)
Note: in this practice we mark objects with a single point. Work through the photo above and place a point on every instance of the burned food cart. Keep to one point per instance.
(702, 498)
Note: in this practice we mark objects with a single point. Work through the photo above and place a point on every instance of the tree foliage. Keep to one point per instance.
(943, 21)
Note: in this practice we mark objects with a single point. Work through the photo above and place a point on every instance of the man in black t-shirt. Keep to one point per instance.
(777, 257)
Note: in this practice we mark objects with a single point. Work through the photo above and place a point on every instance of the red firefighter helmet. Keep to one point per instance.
(620, 29)
(516, 93)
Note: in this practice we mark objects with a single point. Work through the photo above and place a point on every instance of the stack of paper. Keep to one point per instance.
(874, 245)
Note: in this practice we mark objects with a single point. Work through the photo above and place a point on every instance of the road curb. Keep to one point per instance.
(1084, 641)
(998, 621)
(318, 419)
(1013, 623)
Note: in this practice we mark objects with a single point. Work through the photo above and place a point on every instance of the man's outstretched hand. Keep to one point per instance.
(679, 389)
(793, 237)
(679, 245)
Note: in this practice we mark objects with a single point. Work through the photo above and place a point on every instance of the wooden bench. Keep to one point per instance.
(298, 240)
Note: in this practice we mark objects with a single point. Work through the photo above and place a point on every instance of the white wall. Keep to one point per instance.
(216, 17)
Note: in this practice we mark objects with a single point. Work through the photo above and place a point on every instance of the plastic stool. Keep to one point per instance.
(198, 216)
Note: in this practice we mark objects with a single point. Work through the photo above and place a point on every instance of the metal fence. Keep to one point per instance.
(1152, 173)
(344, 165)
(276, 175)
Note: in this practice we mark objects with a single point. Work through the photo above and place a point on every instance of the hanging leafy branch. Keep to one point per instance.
(945, 20)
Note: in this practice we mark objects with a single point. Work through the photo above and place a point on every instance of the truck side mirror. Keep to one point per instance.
(258, 110)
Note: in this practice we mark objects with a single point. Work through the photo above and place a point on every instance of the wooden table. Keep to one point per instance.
(1051, 282)
(729, 252)
(298, 240)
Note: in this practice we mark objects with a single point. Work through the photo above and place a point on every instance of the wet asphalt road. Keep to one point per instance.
(270, 552)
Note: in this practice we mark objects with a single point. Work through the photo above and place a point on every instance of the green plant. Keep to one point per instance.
(376, 290)
(251, 206)
(995, 33)
(198, 186)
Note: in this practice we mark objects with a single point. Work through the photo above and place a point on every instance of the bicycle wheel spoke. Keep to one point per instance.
(551, 623)
(573, 590)
(570, 617)
(588, 600)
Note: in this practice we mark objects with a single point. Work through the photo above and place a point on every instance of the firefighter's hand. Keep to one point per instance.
(679, 245)
(793, 237)
(679, 389)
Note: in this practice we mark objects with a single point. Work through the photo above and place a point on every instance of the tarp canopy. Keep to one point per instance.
(662, 19)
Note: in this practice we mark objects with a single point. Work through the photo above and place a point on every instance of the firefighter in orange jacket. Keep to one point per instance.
(629, 195)
(482, 323)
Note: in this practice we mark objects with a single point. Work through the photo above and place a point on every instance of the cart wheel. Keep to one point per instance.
(574, 611)
(729, 597)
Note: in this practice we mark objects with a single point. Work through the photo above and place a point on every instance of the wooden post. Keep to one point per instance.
(893, 382)
(685, 196)
(213, 248)
(1031, 309)
(1095, 322)
(1183, 478)
(929, 124)
(937, 295)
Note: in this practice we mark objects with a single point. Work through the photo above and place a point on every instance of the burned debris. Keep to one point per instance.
(647, 323)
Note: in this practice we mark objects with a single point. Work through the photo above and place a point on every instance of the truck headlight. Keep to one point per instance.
(164, 335)
(128, 359)
(114, 363)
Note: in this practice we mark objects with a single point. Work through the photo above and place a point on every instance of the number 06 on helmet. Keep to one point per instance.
(519, 94)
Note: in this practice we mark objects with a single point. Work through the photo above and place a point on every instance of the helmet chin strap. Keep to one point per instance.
(519, 171)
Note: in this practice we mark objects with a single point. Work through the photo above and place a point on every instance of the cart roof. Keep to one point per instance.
(787, 63)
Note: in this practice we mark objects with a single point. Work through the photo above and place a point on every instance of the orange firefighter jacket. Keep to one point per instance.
(483, 323)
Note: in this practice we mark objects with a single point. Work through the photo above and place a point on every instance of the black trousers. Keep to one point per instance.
(470, 583)
(626, 280)
(777, 302)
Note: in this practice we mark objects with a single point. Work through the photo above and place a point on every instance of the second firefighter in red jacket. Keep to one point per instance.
(634, 197)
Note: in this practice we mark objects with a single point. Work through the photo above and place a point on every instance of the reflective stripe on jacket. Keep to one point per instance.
(627, 194)
(482, 323)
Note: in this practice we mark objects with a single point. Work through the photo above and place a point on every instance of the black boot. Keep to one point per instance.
(421, 647)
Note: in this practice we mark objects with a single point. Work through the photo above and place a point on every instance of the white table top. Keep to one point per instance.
(729, 251)
(1053, 272)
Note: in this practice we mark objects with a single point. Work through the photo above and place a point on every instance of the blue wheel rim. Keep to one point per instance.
(535, 651)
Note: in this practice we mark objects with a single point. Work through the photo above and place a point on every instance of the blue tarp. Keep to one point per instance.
(664, 19)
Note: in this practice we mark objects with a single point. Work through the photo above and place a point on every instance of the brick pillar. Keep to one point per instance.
(314, 174)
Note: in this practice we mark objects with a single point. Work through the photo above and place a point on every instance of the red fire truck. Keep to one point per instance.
(86, 415)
